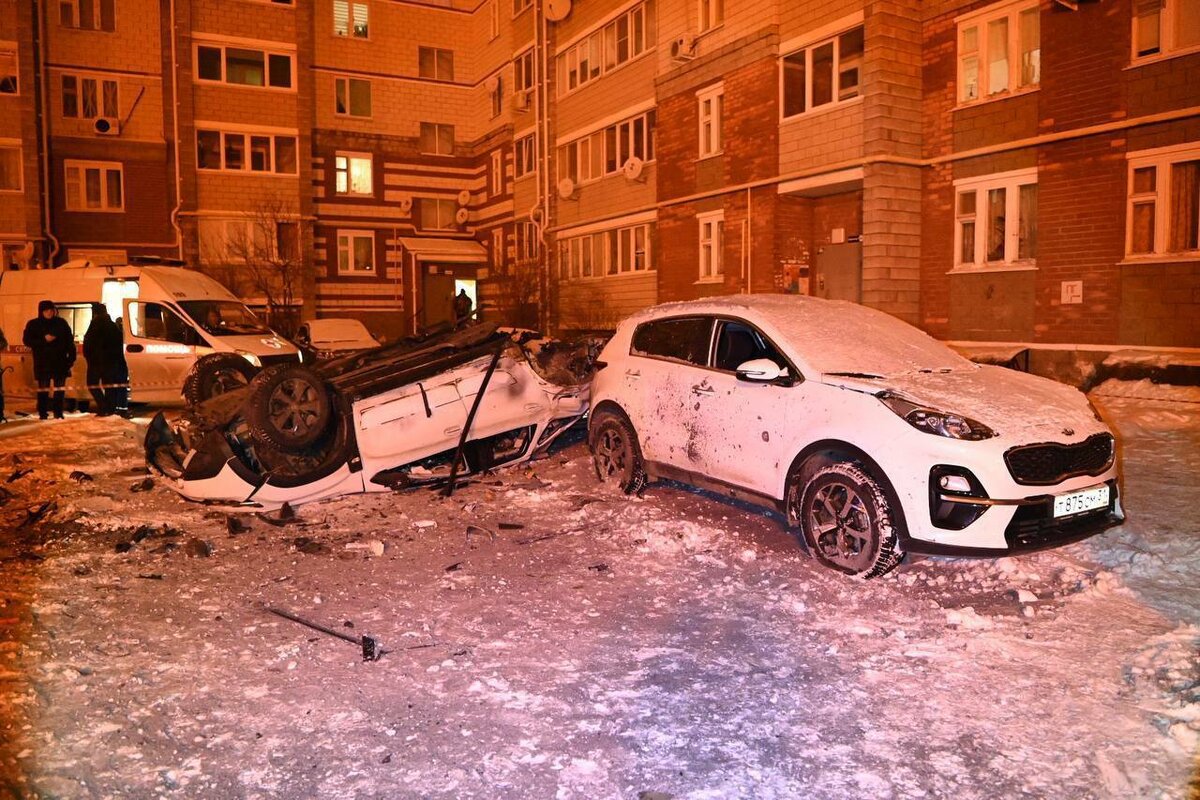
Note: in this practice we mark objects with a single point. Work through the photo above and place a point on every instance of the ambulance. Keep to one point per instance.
(172, 318)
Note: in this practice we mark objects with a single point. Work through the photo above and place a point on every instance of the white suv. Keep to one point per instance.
(871, 437)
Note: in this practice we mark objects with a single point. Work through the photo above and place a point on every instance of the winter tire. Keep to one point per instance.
(846, 519)
(289, 408)
(215, 374)
(616, 453)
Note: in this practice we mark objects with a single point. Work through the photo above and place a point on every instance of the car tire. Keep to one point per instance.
(289, 408)
(616, 453)
(846, 519)
(215, 374)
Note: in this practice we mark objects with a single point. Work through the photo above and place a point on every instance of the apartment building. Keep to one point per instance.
(988, 170)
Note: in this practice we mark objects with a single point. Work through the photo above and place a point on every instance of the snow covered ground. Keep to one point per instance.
(669, 646)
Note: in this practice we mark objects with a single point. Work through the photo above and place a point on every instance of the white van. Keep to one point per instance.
(171, 317)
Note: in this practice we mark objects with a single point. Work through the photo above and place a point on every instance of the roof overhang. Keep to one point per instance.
(843, 180)
(462, 251)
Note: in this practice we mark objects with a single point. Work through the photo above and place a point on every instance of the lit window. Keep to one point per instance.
(825, 74)
(353, 174)
(1163, 213)
(435, 63)
(524, 156)
(437, 139)
(712, 101)
(996, 219)
(1165, 26)
(350, 19)
(712, 14)
(999, 52)
(94, 186)
(351, 97)
(712, 240)
(355, 252)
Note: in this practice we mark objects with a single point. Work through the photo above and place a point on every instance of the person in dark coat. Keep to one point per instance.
(105, 360)
(49, 338)
(3, 347)
(462, 305)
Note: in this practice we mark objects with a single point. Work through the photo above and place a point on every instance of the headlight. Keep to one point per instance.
(938, 423)
(253, 359)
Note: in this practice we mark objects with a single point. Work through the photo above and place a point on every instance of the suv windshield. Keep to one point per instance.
(224, 317)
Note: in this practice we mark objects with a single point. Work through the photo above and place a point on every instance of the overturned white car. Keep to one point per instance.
(410, 413)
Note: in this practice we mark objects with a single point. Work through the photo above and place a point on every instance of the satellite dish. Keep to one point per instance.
(405, 205)
(492, 83)
(633, 168)
(557, 10)
(566, 188)
(464, 197)
(461, 216)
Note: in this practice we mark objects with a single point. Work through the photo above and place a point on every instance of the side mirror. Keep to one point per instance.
(760, 370)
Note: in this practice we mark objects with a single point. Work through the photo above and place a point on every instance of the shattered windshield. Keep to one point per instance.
(224, 317)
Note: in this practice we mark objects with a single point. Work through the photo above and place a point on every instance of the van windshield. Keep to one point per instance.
(224, 317)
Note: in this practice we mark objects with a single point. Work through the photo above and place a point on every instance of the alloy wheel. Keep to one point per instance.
(841, 525)
(294, 407)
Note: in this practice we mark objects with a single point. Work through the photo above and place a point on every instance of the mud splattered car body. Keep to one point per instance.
(395, 417)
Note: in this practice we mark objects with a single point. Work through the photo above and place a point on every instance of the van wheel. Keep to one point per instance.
(616, 452)
(289, 408)
(215, 374)
(846, 519)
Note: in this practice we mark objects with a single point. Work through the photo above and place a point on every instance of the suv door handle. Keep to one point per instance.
(700, 388)
(453, 430)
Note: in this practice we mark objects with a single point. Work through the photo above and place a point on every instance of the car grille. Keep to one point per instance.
(1047, 464)
(1033, 526)
(284, 358)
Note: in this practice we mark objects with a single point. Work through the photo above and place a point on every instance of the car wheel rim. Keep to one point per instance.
(841, 526)
(226, 380)
(294, 407)
(611, 453)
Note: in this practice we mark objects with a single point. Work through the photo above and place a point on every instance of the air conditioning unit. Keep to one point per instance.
(566, 189)
(633, 168)
(461, 216)
(107, 126)
(464, 197)
(523, 99)
(683, 48)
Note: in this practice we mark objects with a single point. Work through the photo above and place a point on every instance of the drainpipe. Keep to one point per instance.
(55, 246)
(544, 183)
(175, 132)
(749, 244)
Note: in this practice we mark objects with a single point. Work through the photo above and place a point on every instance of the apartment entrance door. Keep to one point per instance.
(838, 272)
(438, 299)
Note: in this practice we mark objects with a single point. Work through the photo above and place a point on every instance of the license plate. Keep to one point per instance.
(1078, 502)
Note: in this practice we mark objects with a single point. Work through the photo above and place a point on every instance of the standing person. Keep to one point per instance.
(49, 338)
(462, 306)
(3, 347)
(116, 390)
(102, 349)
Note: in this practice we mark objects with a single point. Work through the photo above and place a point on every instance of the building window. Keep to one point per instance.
(1164, 27)
(617, 251)
(712, 14)
(353, 174)
(89, 98)
(999, 52)
(1164, 202)
(605, 151)
(94, 186)
(494, 13)
(621, 40)
(825, 74)
(497, 96)
(88, 15)
(498, 249)
(523, 75)
(350, 19)
(243, 67)
(233, 151)
(351, 97)
(437, 139)
(712, 103)
(437, 214)
(9, 71)
(524, 156)
(712, 240)
(10, 171)
(527, 241)
(521, 5)
(497, 172)
(356, 252)
(996, 219)
(435, 63)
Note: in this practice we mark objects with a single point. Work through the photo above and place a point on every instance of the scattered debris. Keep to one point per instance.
(123, 546)
(35, 514)
(601, 567)
(309, 546)
(151, 576)
(286, 517)
(79, 476)
(511, 526)
(475, 530)
(455, 567)
(235, 525)
(197, 548)
(144, 485)
(425, 524)
(374, 546)
(17, 474)
(371, 649)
